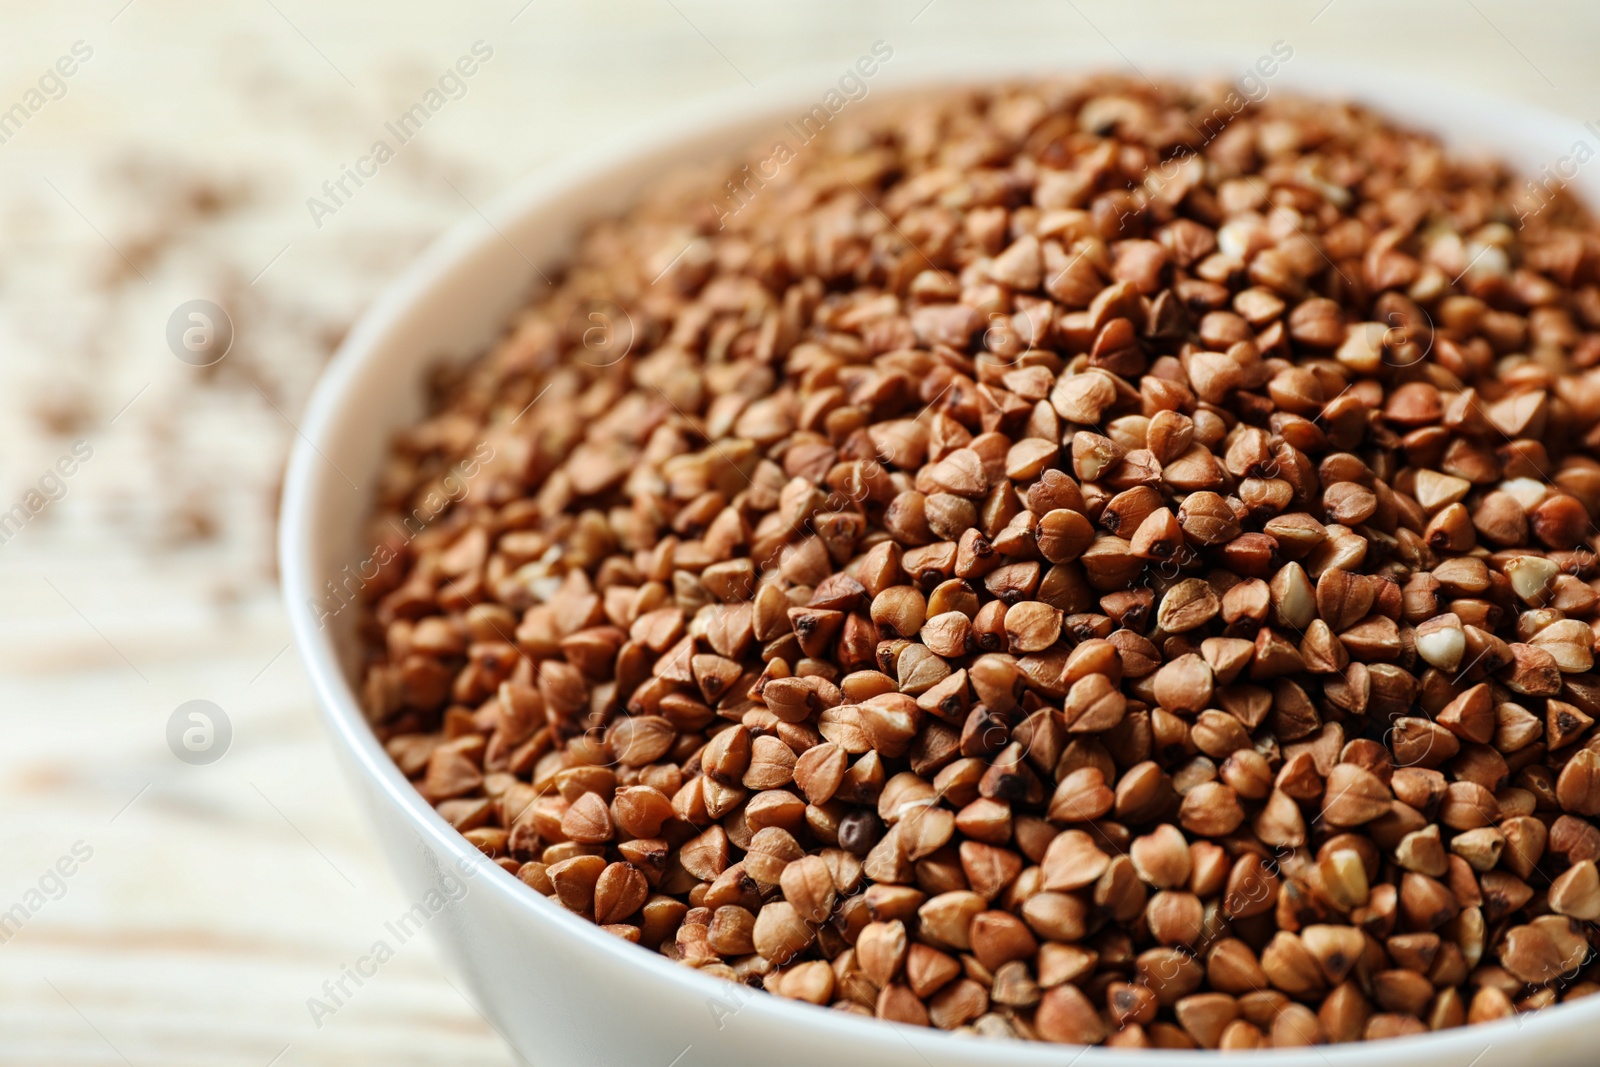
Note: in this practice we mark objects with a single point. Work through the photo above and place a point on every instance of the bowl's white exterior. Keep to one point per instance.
(561, 991)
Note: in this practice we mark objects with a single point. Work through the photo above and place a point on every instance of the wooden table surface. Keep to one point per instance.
(205, 904)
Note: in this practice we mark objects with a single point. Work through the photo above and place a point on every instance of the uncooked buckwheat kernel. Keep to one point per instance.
(1055, 564)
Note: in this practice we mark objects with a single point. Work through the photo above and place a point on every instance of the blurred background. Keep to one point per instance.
(176, 901)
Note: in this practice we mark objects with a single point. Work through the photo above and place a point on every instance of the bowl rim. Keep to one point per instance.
(1401, 96)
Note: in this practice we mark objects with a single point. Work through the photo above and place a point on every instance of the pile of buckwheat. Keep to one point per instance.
(1060, 561)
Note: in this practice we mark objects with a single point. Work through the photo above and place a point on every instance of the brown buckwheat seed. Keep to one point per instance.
(1062, 561)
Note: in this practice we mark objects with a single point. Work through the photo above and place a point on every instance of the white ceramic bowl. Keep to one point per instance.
(555, 986)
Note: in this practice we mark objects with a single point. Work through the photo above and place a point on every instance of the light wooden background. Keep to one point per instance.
(176, 166)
